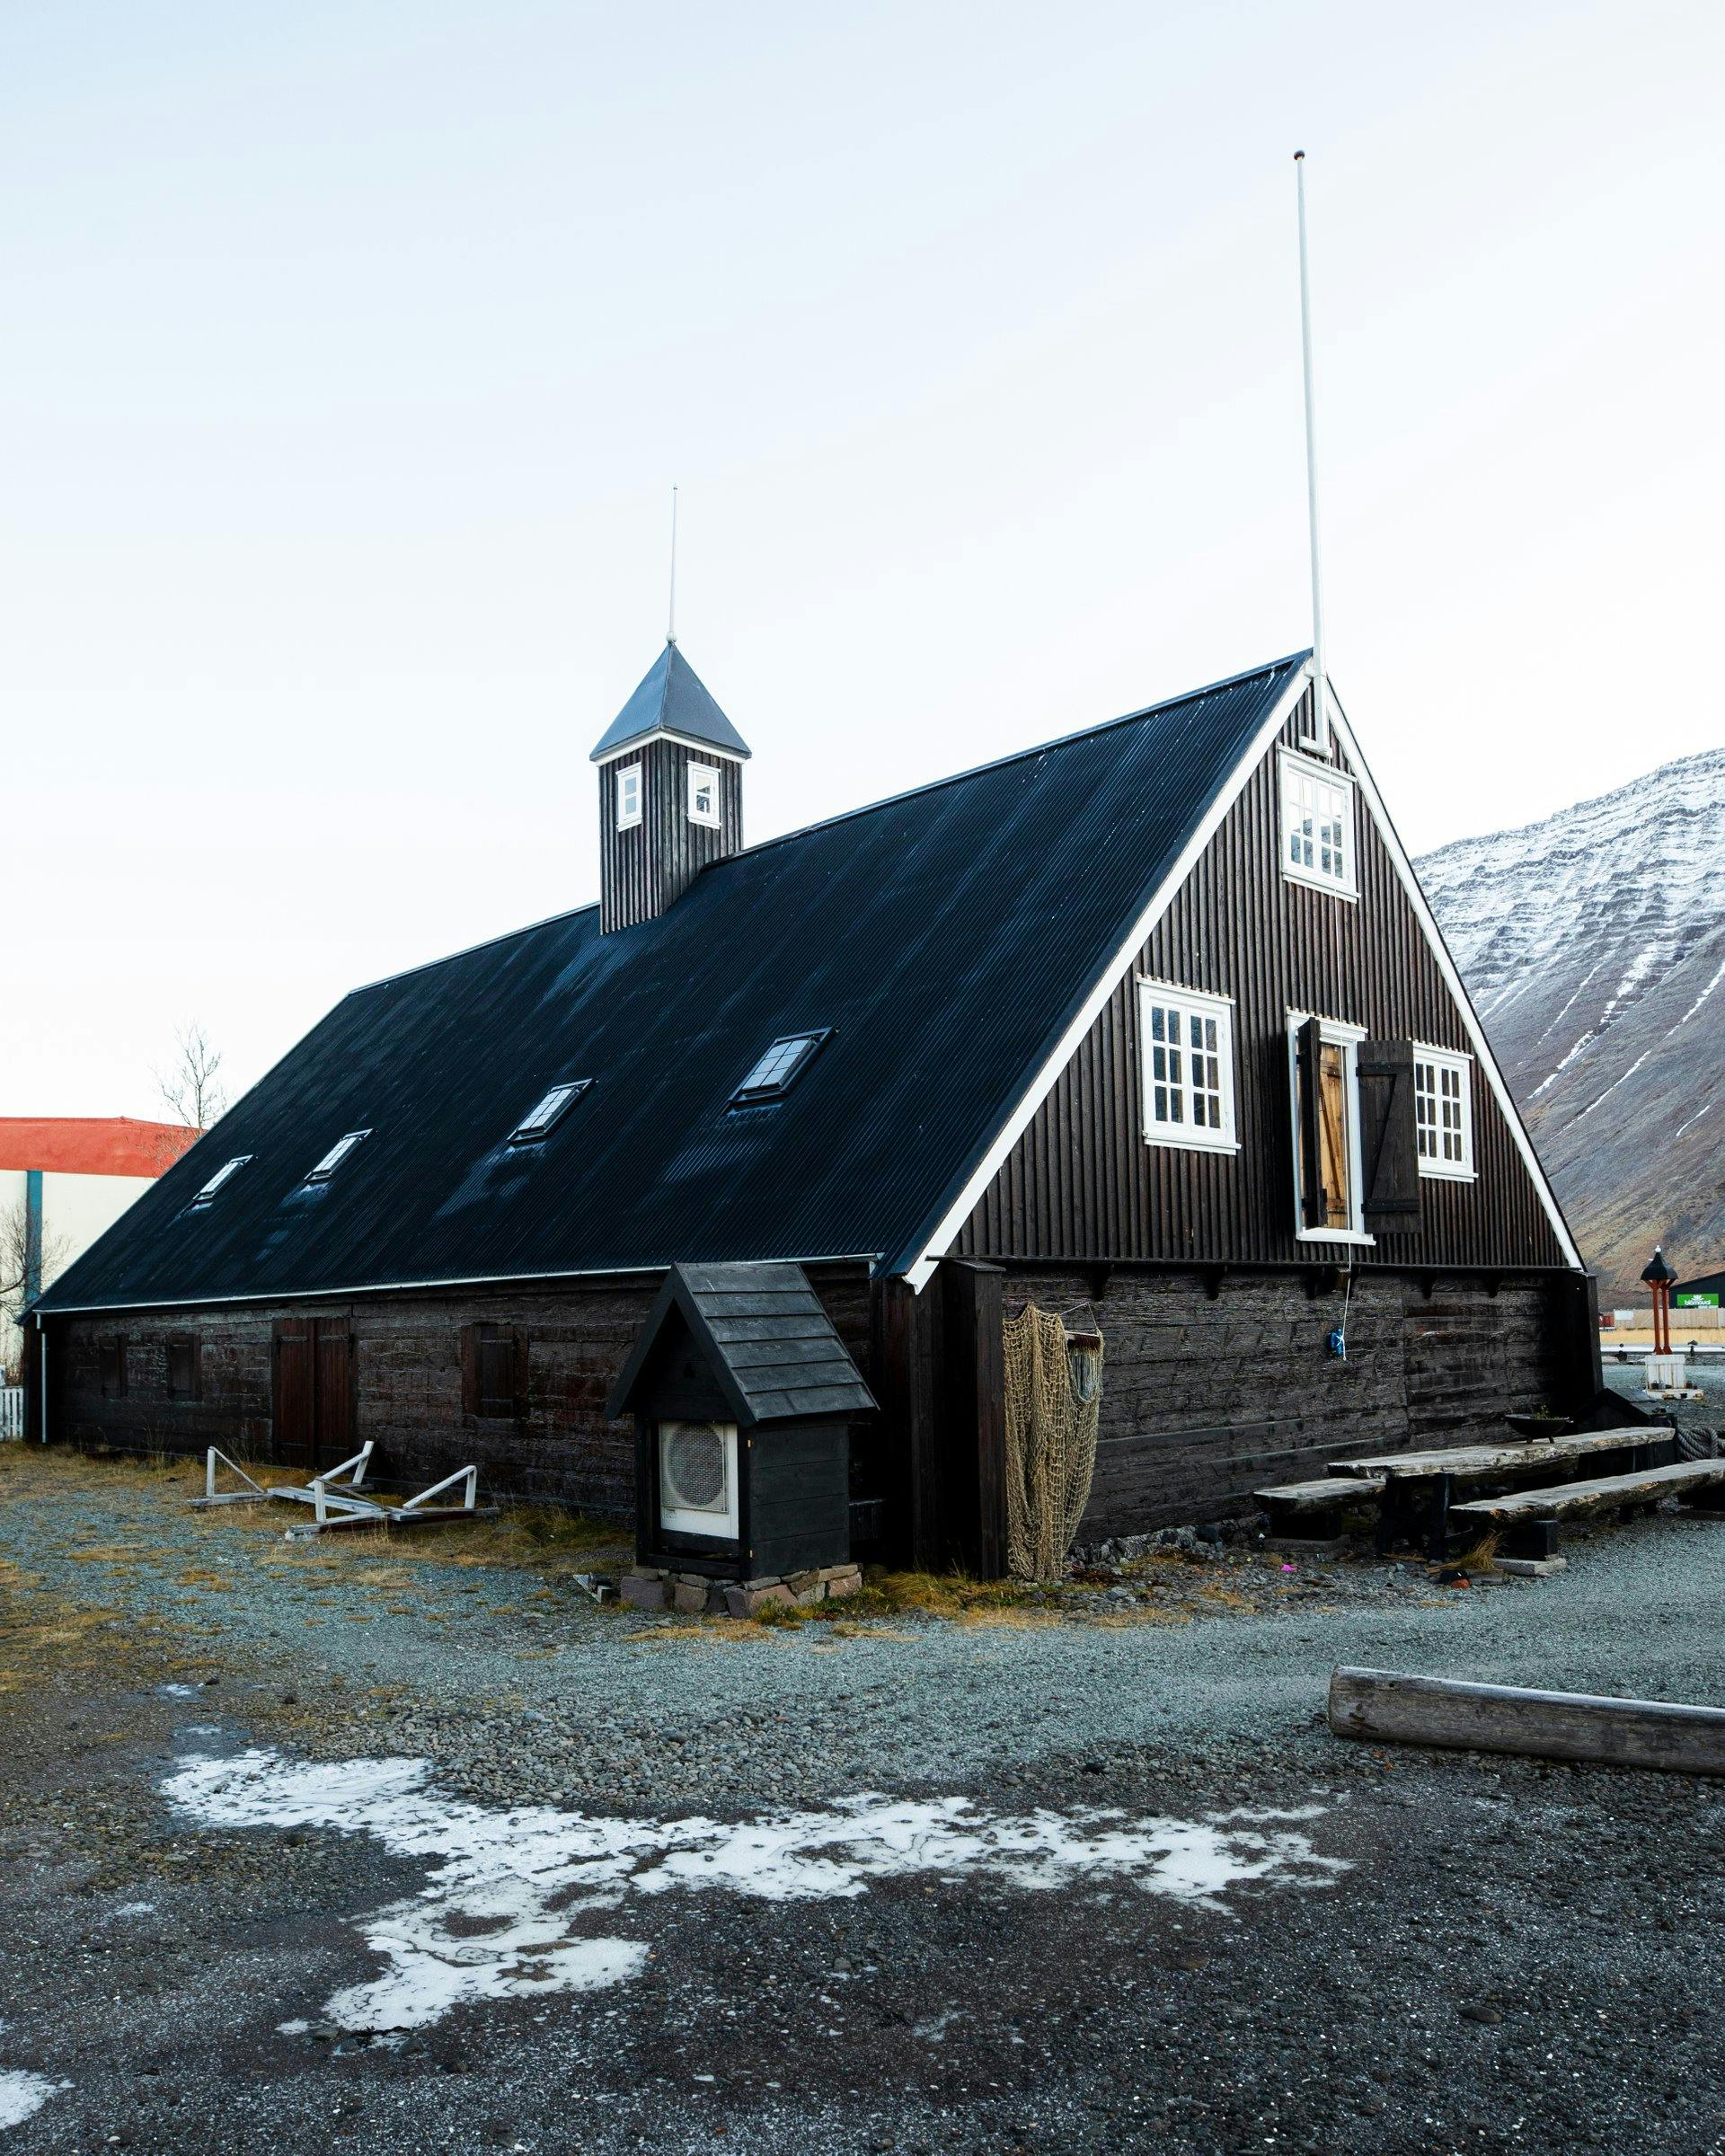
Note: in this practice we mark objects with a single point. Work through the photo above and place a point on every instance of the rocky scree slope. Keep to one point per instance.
(1594, 946)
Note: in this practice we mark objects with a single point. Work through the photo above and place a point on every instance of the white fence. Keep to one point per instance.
(12, 1411)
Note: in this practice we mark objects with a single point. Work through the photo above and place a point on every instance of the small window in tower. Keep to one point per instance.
(548, 1112)
(334, 1157)
(224, 1174)
(628, 796)
(704, 794)
(778, 1070)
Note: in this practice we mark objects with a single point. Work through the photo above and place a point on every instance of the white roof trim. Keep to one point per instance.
(1124, 961)
(433, 1286)
(665, 733)
(1434, 935)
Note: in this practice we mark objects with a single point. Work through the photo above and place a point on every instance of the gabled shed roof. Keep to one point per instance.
(766, 1337)
(951, 939)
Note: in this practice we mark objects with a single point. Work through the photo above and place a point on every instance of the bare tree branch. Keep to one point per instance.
(190, 1085)
(14, 1236)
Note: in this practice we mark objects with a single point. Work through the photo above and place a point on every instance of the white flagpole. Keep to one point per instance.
(1319, 710)
(670, 612)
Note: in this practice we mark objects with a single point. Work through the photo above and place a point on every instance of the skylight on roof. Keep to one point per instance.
(548, 1111)
(334, 1157)
(224, 1173)
(778, 1070)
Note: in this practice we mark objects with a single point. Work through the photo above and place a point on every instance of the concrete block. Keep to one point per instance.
(1532, 1568)
(643, 1594)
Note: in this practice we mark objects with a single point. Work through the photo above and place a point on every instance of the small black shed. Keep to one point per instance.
(743, 1396)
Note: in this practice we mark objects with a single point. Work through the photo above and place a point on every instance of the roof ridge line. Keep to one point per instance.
(1017, 755)
(527, 928)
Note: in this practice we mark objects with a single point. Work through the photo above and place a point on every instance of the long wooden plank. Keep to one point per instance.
(1537, 1453)
(1382, 1706)
(1607, 1490)
(1325, 1494)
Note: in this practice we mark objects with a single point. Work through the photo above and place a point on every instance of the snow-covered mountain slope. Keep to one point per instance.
(1594, 946)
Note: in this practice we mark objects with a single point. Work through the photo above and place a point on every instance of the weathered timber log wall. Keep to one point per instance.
(109, 1383)
(1212, 1388)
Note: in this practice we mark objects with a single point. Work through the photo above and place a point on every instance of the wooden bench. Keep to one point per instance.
(1534, 1513)
(1419, 1488)
(1313, 1510)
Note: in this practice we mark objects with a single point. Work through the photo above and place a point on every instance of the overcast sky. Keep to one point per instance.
(348, 352)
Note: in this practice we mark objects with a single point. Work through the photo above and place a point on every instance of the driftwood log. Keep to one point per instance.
(1381, 1706)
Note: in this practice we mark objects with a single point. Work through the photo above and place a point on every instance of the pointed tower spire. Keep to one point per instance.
(670, 792)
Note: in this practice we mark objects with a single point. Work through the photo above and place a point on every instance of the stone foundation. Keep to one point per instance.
(660, 1587)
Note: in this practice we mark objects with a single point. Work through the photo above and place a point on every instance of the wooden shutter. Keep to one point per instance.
(1389, 1145)
(499, 1351)
(470, 1370)
(1308, 1060)
(113, 1368)
(182, 1367)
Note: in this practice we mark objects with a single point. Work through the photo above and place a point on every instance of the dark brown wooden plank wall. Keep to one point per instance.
(1083, 1183)
(406, 1383)
(1206, 1399)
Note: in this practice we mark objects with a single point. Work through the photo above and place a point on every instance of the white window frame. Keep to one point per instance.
(1439, 1060)
(1342, 1033)
(1190, 1002)
(217, 1182)
(336, 1156)
(720, 1527)
(629, 793)
(1292, 768)
(703, 778)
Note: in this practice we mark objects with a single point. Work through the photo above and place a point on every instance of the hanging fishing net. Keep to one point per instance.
(1054, 1397)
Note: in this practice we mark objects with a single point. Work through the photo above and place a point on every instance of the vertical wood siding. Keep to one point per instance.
(643, 868)
(1082, 1183)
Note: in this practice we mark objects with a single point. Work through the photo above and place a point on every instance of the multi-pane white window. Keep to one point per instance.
(1187, 1052)
(1318, 825)
(704, 794)
(1443, 1112)
(628, 796)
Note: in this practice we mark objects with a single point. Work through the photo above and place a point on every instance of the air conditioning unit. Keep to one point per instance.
(697, 1479)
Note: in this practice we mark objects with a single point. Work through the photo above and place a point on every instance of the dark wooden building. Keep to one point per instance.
(1154, 1021)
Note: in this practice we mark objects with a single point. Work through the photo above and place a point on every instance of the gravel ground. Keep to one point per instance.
(1485, 1974)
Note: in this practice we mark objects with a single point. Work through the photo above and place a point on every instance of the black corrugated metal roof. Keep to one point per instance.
(948, 937)
(769, 1341)
(671, 696)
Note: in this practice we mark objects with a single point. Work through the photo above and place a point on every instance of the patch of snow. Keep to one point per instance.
(1699, 1113)
(177, 1691)
(1616, 1082)
(510, 1894)
(1702, 998)
(22, 2095)
(292, 2029)
(134, 1909)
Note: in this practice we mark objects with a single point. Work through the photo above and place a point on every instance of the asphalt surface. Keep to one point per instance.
(1438, 1953)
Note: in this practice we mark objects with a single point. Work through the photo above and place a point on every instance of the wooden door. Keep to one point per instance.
(313, 1393)
(335, 1417)
(295, 1404)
